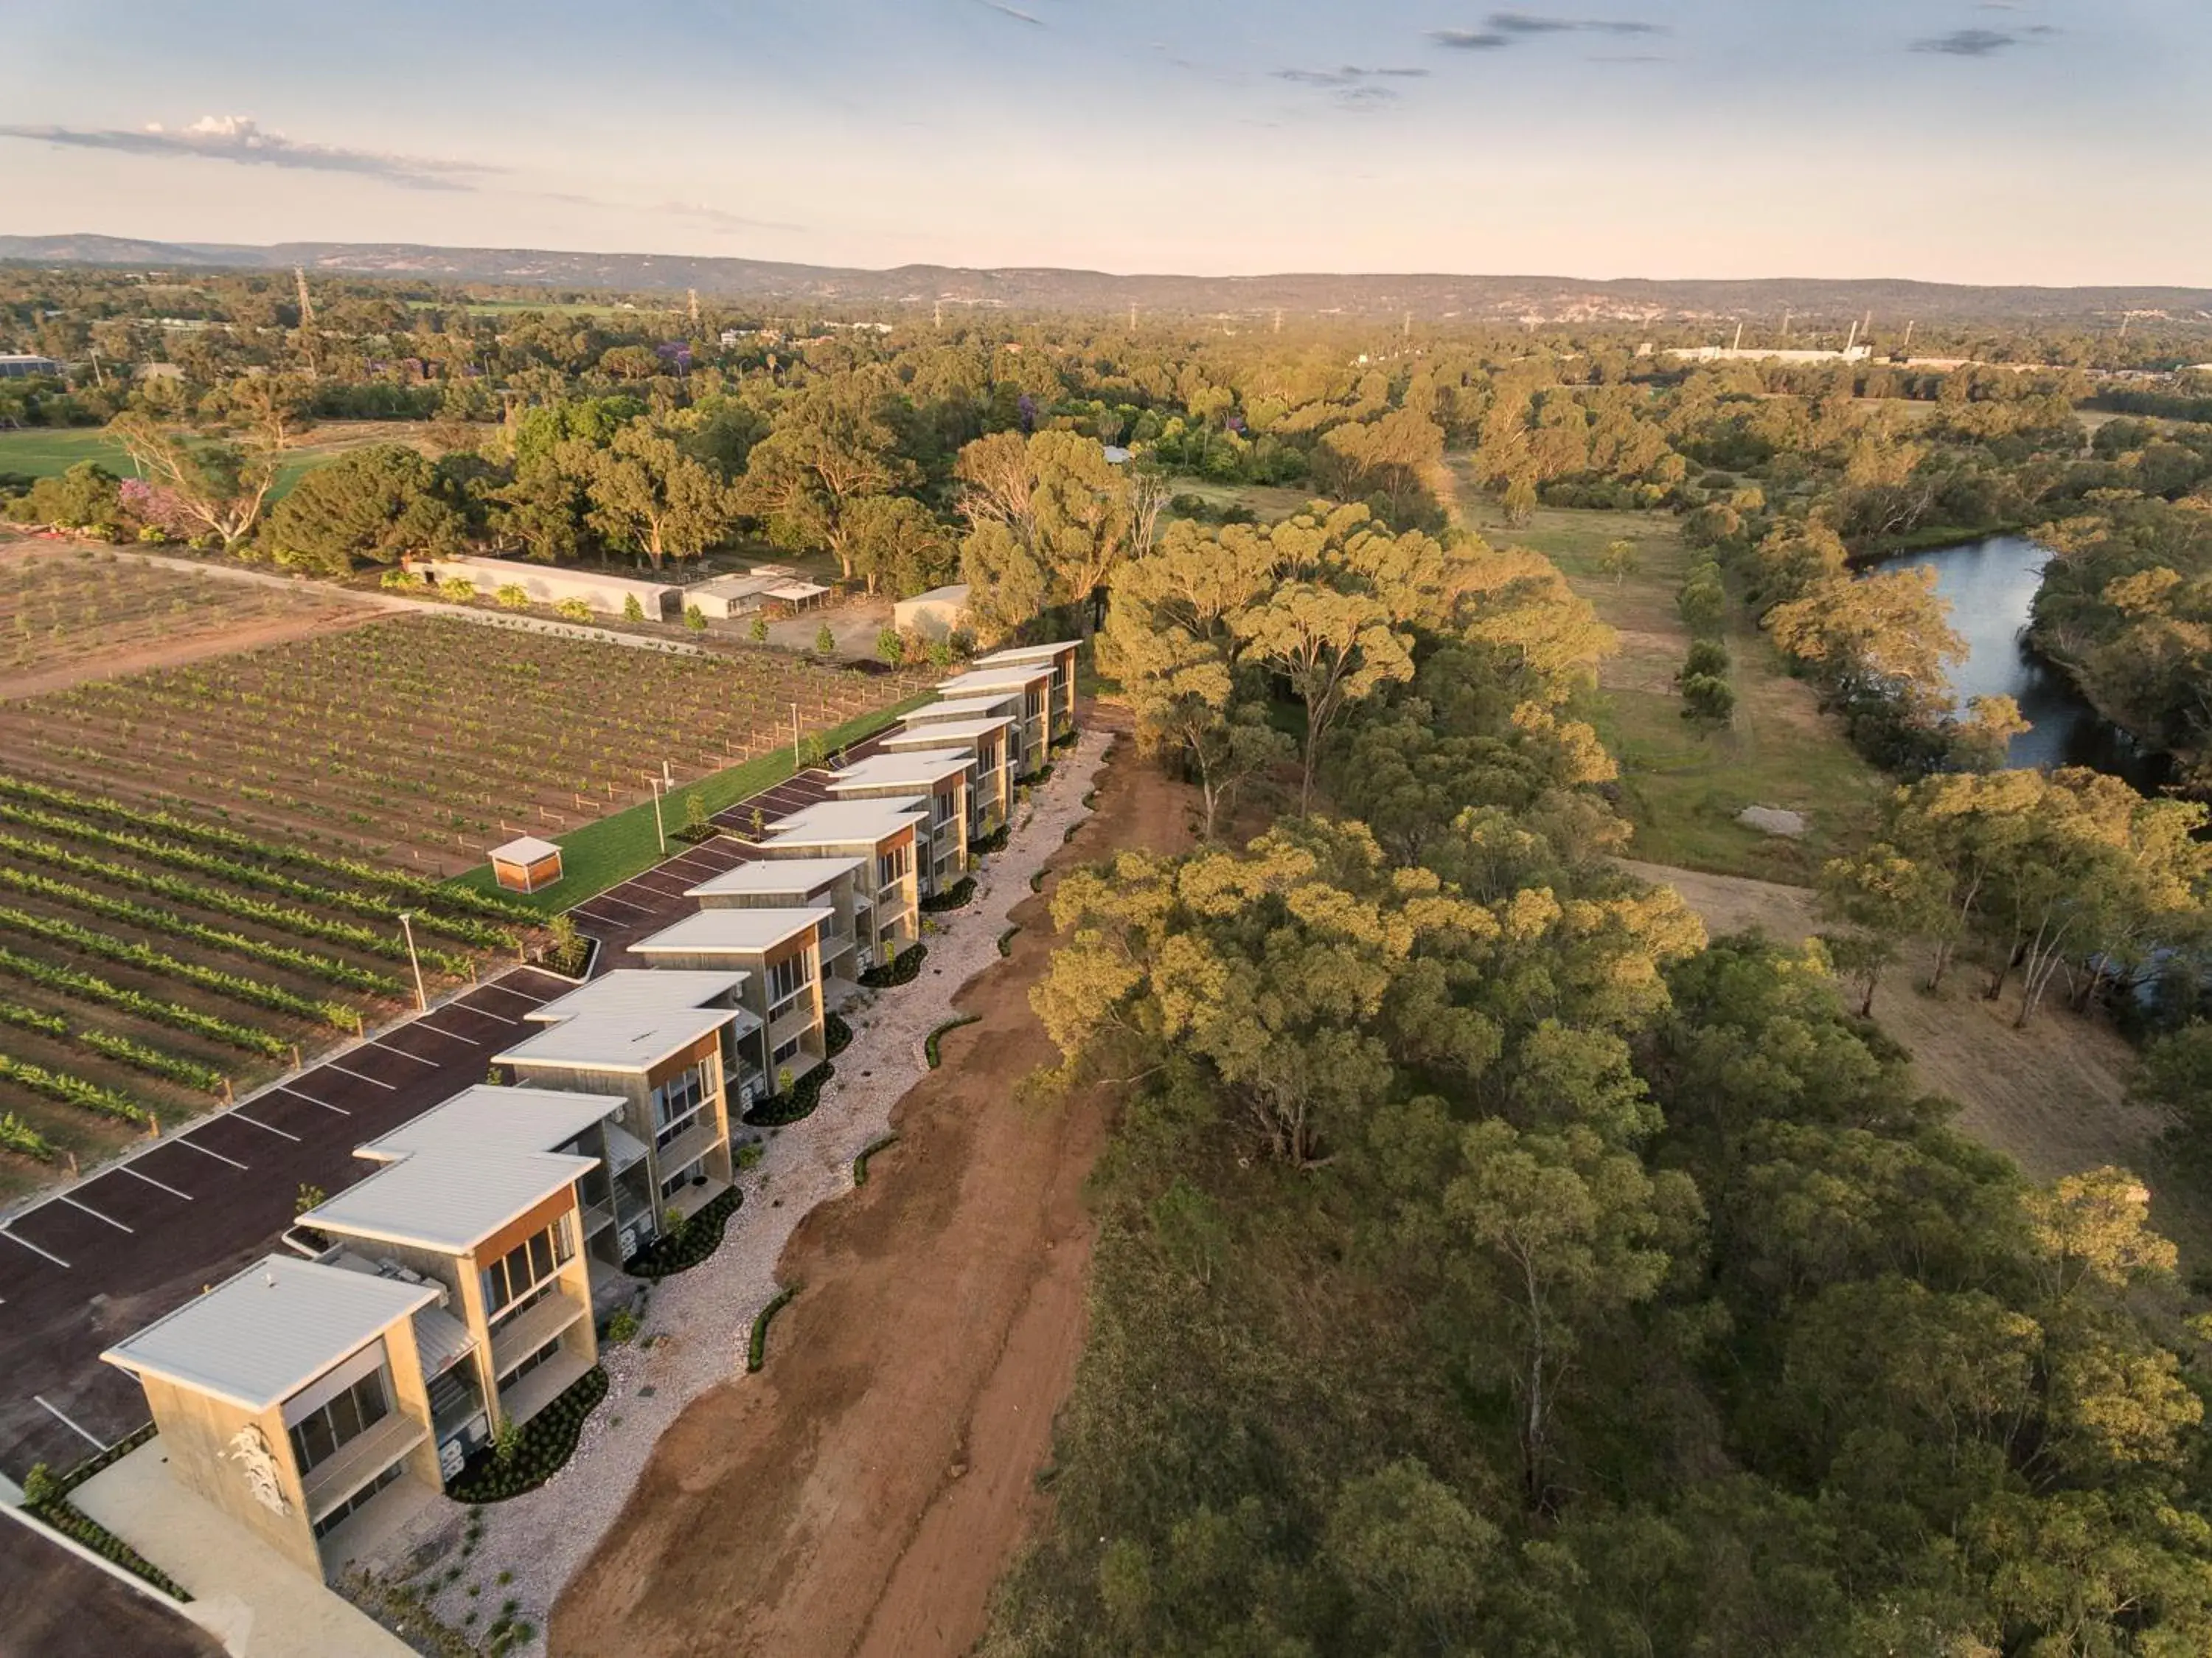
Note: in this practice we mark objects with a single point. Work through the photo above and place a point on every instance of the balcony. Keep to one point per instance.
(598, 1217)
(516, 1338)
(359, 1460)
(693, 1196)
(541, 1386)
(689, 1147)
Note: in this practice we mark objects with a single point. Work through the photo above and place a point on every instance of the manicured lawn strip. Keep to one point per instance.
(756, 1351)
(609, 851)
(929, 1047)
(860, 1162)
(548, 1440)
(699, 1237)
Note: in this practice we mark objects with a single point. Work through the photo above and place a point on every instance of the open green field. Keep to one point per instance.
(48, 452)
(1680, 788)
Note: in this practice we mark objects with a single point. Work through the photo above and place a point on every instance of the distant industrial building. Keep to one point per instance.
(18, 365)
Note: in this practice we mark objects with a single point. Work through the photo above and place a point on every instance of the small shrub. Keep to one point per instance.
(573, 610)
(929, 1047)
(756, 1350)
(695, 619)
(458, 589)
(623, 1326)
(632, 610)
(825, 641)
(860, 1162)
(511, 595)
(759, 631)
(1006, 941)
(890, 647)
(902, 969)
(954, 897)
(688, 1243)
(836, 1034)
(749, 1155)
(792, 1101)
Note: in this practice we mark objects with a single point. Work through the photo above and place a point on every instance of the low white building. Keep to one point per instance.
(725, 597)
(549, 584)
(935, 614)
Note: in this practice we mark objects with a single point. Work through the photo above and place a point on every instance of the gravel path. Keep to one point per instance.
(699, 1322)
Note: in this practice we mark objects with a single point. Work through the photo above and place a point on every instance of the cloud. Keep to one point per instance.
(1505, 28)
(241, 139)
(1524, 22)
(1014, 12)
(1981, 43)
(1349, 75)
(717, 219)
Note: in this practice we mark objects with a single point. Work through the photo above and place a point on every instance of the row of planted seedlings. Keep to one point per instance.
(69, 863)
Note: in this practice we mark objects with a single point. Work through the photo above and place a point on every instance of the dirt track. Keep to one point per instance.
(863, 1493)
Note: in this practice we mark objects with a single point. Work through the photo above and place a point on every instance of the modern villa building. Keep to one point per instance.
(943, 778)
(991, 790)
(961, 711)
(780, 953)
(1060, 658)
(1034, 685)
(668, 1065)
(888, 834)
(840, 885)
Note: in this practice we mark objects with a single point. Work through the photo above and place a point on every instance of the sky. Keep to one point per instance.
(2053, 142)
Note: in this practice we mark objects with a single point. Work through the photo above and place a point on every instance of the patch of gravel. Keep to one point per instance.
(699, 1323)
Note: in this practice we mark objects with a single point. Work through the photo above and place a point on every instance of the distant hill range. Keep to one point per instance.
(1493, 299)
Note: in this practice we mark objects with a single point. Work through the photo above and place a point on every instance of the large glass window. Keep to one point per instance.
(513, 1276)
(786, 978)
(323, 1431)
(894, 864)
(677, 1100)
(337, 1516)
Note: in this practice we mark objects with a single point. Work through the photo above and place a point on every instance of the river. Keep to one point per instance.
(1991, 584)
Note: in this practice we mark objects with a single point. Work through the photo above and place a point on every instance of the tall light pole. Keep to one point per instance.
(659, 827)
(796, 759)
(407, 926)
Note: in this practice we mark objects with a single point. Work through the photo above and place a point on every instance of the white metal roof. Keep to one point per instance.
(1024, 655)
(446, 1201)
(961, 708)
(903, 767)
(485, 1118)
(524, 849)
(261, 1337)
(775, 878)
(741, 932)
(629, 1044)
(844, 823)
(993, 679)
(632, 990)
(951, 731)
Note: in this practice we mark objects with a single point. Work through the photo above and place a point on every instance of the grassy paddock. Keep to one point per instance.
(1682, 788)
(48, 452)
(602, 854)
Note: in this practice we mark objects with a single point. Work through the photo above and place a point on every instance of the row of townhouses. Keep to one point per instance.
(456, 1290)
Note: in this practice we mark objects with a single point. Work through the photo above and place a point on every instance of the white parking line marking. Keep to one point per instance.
(286, 1088)
(440, 1030)
(94, 1213)
(380, 1043)
(361, 1077)
(241, 1117)
(150, 1180)
(503, 989)
(55, 1413)
(188, 1140)
(33, 1248)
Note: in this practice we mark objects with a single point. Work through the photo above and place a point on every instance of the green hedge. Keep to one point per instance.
(993, 842)
(929, 1047)
(902, 971)
(836, 1034)
(45, 1494)
(682, 1250)
(756, 1352)
(778, 1110)
(547, 1441)
(860, 1162)
(954, 897)
(1006, 941)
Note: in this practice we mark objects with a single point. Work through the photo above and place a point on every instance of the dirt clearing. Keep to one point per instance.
(863, 1493)
(2052, 1096)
